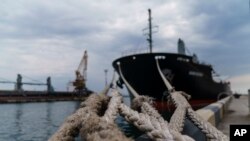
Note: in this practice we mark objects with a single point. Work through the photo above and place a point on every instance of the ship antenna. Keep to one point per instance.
(150, 32)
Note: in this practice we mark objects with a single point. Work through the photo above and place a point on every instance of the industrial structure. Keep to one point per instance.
(19, 84)
(79, 83)
(81, 75)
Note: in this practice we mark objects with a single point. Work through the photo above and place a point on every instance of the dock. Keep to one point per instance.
(226, 112)
(40, 96)
(237, 113)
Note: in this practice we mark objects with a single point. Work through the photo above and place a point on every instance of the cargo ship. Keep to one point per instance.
(184, 72)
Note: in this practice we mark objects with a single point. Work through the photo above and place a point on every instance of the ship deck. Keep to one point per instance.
(237, 113)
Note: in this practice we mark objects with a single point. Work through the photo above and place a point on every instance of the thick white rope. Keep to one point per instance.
(70, 128)
(112, 110)
(168, 85)
(94, 127)
(134, 93)
(144, 123)
(103, 127)
(211, 132)
(158, 122)
(143, 103)
(106, 89)
(178, 118)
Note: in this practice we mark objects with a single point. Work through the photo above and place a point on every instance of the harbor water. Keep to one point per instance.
(33, 121)
(36, 121)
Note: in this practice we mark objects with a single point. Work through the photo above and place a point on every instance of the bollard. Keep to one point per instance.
(249, 100)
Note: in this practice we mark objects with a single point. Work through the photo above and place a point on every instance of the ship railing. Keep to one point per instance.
(134, 51)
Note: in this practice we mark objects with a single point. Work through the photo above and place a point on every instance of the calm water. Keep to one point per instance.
(35, 121)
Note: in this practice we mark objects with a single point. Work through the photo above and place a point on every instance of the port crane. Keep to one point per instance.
(81, 74)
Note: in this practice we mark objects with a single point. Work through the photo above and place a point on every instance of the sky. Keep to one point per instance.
(41, 38)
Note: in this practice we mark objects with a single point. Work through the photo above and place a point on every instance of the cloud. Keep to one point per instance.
(241, 83)
(42, 38)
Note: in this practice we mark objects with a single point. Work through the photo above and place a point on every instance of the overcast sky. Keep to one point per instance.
(40, 38)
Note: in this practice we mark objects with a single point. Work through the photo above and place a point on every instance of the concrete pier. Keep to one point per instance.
(237, 113)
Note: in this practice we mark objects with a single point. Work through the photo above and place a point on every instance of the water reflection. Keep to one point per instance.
(33, 121)
(18, 117)
(48, 117)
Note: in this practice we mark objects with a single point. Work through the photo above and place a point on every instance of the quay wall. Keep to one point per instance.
(215, 112)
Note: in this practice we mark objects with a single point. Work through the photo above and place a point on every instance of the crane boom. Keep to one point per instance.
(82, 68)
(81, 74)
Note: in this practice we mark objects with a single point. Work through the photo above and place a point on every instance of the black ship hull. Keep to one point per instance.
(182, 71)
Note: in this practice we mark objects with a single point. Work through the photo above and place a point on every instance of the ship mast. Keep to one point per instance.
(150, 31)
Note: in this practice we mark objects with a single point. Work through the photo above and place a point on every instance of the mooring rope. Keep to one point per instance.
(168, 85)
(106, 89)
(112, 110)
(103, 127)
(94, 120)
(144, 122)
(92, 124)
(181, 103)
(70, 128)
(98, 129)
(178, 117)
(143, 104)
(211, 132)
(133, 92)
